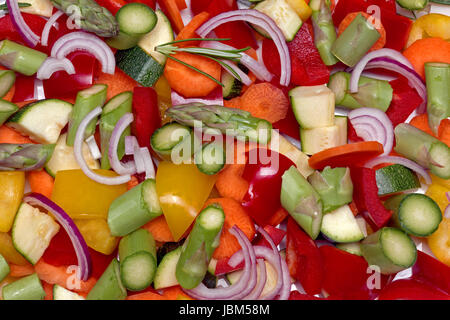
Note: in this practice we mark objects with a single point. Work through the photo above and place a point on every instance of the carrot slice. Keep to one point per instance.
(117, 82)
(189, 30)
(132, 183)
(378, 25)
(181, 4)
(41, 182)
(188, 82)
(146, 296)
(349, 154)
(235, 214)
(173, 14)
(175, 293)
(265, 101)
(159, 229)
(9, 135)
(278, 217)
(61, 276)
(233, 103)
(444, 131)
(20, 271)
(427, 50)
(421, 122)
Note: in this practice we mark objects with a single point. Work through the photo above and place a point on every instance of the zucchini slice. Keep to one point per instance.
(165, 273)
(340, 225)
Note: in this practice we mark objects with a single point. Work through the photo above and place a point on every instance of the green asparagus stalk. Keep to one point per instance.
(134, 208)
(7, 79)
(372, 93)
(234, 122)
(355, 41)
(438, 83)
(197, 250)
(20, 58)
(302, 201)
(112, 112)
(90, 16)
(423, 148)
(86, 101)
(7, 109)
(4, 268)
(4, 7)
(334, 187)
(137, 254)
(324, 30)
(24, 156)
(109, 286)
(26, 288)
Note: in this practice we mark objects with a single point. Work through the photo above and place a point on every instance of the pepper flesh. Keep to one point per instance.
(433, 25)
(12, 186)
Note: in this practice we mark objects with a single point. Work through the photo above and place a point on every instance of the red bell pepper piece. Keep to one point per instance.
(23, 88)
(397, 27)
(303, 258)
(112, 5)
(198, 6)
(432, 271)
(295, 295)
(405, 100)
(146, 114)
(8, 31)
(308, 68)
(411, 289)
(262, 202)
(366, 197)
(351, 133)
(63, 85)
(150, 3)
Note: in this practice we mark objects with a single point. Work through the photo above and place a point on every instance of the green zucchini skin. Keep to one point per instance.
(395, 178)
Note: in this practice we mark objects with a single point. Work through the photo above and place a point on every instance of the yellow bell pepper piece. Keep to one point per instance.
(440, 181)
(163, 91)
(301, 8)
(12, 186)
(97, 235)
(439, 242)
(433, 25)
(83, 198)
(8, 251)
(182, 191)
(437, 193)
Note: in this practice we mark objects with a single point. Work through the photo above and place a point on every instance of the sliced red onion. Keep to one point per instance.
(78, 242)
(376, 123)
(78, 144)
(243, 77)
(20, 25)
(50, 22)
(130, 142)
(214, 98)
(120, 127)
(258, 69)
(51, 65)
(403, 161)
(39, 93)
(138, 159)
(239, 289)
(93, 148)
(148, 163)
(261, 20)
(285, 290)
(256, 293)
(87, 42)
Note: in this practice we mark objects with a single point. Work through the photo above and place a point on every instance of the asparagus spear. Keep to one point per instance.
(355, 41)
(438, 83)
(324, 31)
(109, 286)
(86, 101)
(20, 58)
(26, 288)
(24, 156)
(197, 250)
(234, 122)
(6, 110)
(91, 16)
(4, 268)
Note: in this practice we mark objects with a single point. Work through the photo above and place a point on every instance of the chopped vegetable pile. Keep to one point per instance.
(225, 150)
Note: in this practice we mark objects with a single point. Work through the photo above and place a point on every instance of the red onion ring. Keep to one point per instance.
(39, 92)
(376, 123)
(78, 144)
(93, 147)
(261, 20)
(48, 25)
(51, 65)
(20, 25)
(244, 78)
(214, 98)
(256, 293)
(120, 127)
(148, 163)
(130, 142)
(403, 161)
(78, 242)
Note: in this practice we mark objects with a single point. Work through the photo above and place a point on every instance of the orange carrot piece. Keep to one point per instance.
(9, 135)
(421, 122)
(264, 100)
(189, 30)
(159, 229)
(235, 214)
(188, 82)
(20, 271)
(175, 293)
(132, 183)
(181, 4)
(278, 217)
(148, 295)
(117, 82)
(444, 131)
(380, 28)
(352, 206)
(233, 103)
(41, 182)
(61, 276)
(48, 288)
(174, 14)
(427, 50)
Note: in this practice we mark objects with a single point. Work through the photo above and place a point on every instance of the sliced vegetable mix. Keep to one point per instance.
(224, 150)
